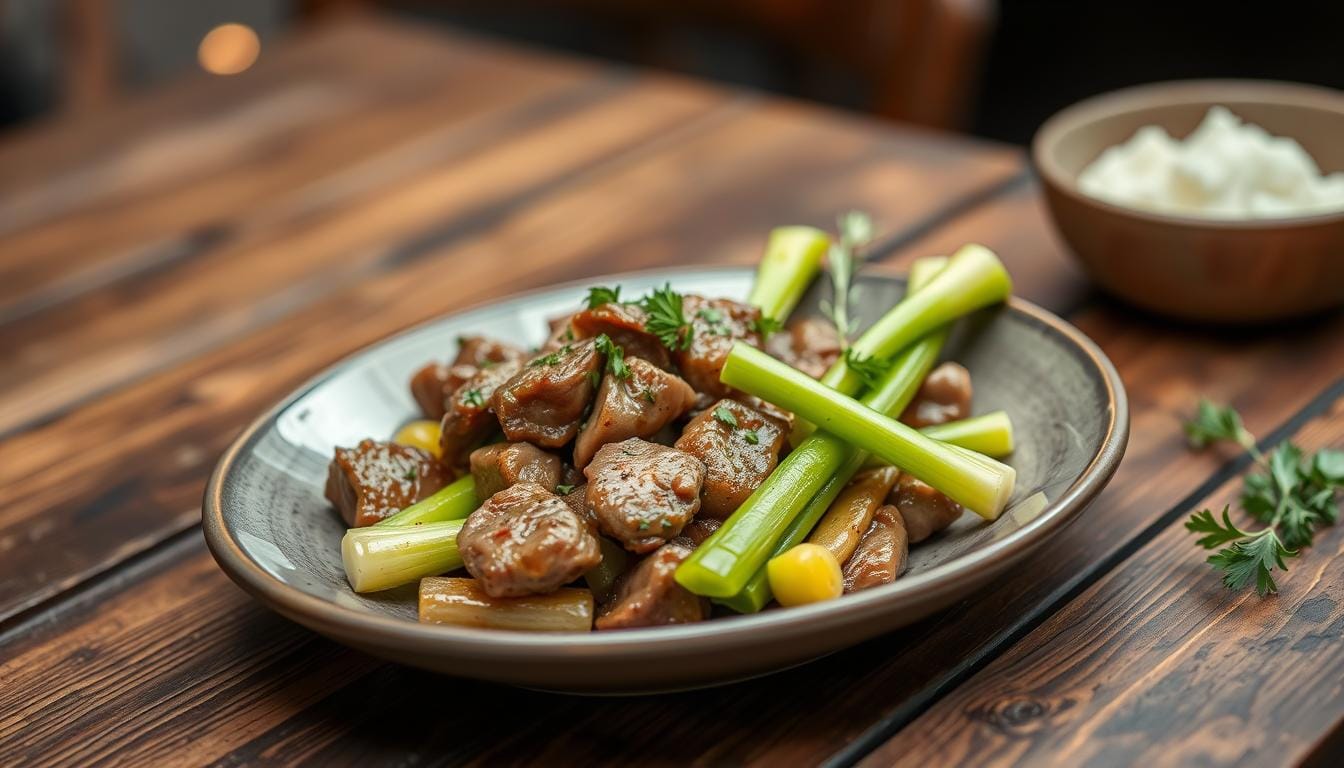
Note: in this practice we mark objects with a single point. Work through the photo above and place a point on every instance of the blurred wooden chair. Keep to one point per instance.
(917, 60)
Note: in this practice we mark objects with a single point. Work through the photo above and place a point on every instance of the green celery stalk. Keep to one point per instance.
(724, 563)
(377, 558)
(978, 483)
(792, 260)
(990, 434)
(974, 278)
(454, 501)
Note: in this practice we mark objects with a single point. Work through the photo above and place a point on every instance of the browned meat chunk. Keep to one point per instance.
(881, 555)
(924, 510)
(715, 325)
(637, 405)
(545, 401)
(435, 383)
(648, 596)
(561, 333)
(525, 540)
(624, 324)
(811, 345)
(496, 467)
(739, 448)
(470, 418)
(699, 529)
(643, 494)
(944, 396)
(375, 480)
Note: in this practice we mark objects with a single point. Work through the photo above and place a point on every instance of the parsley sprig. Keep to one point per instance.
(844, 258)
(1292, 496)
(666, 319)
(870, 369)
(600, 294)
(615, 356)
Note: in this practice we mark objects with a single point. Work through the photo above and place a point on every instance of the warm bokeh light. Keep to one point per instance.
(229, 49)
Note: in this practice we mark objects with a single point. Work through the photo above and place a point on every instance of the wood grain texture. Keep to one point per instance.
(629, 181)
(797, 717)
(1158, 664)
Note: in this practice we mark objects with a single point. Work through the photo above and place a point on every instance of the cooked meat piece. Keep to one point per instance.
(432, 385)
(375, 480)
(648, 596)
(643, 494)
(624, 323)
(810, 344)
(636, 406)
(544, 402)
(944, 396)
(715, 324)
(470, 419)
(699, 529)
(851, 514)
(501, 465)
(781, 417)
(881, 555)
(561, 333)
(925, 511)
(739, 448)
(525, 540)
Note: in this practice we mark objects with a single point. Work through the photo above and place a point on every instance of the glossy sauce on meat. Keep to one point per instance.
(470, 418)
(715, 325)
(544, 402)
(925, 510)
(526, 540)
(496, 467)
(375, 480)
(810, 344)
(944, 396)
(642, 494)
(636, 406)
(881, 555)
(648, 596)
(625, 325)
(739, 447)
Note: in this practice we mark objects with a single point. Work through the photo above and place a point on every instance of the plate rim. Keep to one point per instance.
(479, 643)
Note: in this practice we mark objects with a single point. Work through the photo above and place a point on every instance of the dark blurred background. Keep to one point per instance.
(995, 68)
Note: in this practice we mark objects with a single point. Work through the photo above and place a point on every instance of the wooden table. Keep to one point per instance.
(169, 269)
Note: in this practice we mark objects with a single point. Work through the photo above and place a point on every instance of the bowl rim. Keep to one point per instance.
(1139, 98)
(679, 640)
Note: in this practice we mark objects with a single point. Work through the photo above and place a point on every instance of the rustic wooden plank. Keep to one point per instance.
(697, 196)
(84, 202)
(293, 250)
(766, 721)
(1158, 664)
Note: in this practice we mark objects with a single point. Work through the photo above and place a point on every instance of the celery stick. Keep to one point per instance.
(454, 501)
(980, 484)
(722, 565)
(792, 259)
(973, 278)
(990, 434)
(377, 558)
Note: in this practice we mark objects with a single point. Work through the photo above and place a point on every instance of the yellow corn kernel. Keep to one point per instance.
(808, 573)
(422, 434)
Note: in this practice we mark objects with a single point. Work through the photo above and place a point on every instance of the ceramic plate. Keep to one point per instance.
(272, 531)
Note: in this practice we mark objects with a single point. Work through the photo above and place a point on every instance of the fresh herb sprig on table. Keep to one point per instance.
(1292, 496)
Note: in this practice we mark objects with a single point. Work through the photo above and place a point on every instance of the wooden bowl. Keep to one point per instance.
(1215, 270)
(272, 531)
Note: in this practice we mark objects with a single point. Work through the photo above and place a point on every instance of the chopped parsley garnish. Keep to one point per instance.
(766, 326)
(594, 378)
(710, 315)
(1292, 496)
(551, 359)
(411, 474)
(564, 490)
(751, 437)
(665, 318)
(666, 523)
(599, 295)
(474, 397)
(870, 369)
(643, 525)
(648, 395)
(726, 416)
(615, 356)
